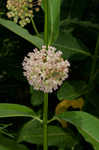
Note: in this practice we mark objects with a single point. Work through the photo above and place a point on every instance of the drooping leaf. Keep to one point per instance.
(9, 144)
(71, 90)
(87, 125)
(15, 110)
(64, 105)
(36, 97)
(32, 132)
(70, 46)
(37, 41)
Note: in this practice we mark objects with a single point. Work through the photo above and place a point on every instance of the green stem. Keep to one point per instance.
(53, 119)
(45, 110)
(93, 68)
(46, 23)
(34, 26)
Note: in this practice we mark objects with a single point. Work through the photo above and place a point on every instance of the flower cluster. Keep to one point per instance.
(22, 10)
(45, 69)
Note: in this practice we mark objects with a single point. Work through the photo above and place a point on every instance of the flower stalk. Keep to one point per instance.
(34, 26)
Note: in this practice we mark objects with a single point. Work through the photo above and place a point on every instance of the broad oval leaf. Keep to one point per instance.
(37, 41)
(15, 110)
(71, 90)
(87, 125)
(32, 132)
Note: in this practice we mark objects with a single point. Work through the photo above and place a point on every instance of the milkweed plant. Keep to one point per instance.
(48, 69)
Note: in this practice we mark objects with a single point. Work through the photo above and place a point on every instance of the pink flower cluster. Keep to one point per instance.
(45, 69)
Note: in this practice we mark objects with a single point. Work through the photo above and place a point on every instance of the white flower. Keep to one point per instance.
(45, 69)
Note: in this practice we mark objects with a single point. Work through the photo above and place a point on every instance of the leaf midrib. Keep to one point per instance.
(72, 49)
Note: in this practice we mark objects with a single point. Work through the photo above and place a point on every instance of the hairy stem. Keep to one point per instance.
(45, 110)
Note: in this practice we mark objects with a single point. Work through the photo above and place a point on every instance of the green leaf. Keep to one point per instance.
(3, 147)
(87, 125)
(69, 45)
(9, 144)
(32, 132)
(37, 41)
(71, 90)
(15, 110)
(75, 21)
(53, 19)
(36, 97)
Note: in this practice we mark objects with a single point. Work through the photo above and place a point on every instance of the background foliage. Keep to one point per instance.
(74, 31)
